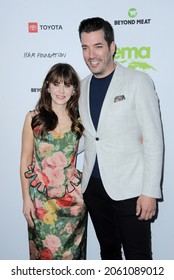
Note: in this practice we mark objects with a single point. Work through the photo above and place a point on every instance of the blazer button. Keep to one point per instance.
(96, 138)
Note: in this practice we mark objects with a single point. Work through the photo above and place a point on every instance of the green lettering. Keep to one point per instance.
(134, 52)
(144, 52)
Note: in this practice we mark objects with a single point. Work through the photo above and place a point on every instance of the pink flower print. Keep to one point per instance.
(75, 210)
(58, 191)
(40, 179)
(52, 242)
(71, 172)
(45, 179)
(66, 201)
(38, 203)
(40, 213)
(56, 176)
(67, 255)
(74, 178)
(45, 149)
(69, 227)
(57, 160)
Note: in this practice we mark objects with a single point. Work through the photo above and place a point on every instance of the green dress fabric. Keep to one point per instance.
(60, 225)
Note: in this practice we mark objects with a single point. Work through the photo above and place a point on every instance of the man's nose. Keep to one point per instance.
(91, 53)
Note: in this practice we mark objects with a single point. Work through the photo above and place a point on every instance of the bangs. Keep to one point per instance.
(62, 75)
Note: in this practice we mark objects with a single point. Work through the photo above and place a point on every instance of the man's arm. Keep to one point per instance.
(148, 114)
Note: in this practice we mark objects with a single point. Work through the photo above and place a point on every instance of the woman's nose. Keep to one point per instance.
(61, 88)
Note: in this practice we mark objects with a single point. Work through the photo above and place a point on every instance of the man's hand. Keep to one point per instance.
(146, 207)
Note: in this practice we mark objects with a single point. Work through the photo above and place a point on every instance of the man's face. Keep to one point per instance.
(97, 55)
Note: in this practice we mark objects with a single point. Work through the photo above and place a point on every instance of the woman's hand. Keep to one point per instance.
(29, 212)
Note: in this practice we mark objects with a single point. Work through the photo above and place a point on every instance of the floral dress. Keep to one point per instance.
(60, 225)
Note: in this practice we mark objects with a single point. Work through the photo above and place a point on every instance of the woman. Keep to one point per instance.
(51, 185)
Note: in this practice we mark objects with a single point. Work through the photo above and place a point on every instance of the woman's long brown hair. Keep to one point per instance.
(45, 118)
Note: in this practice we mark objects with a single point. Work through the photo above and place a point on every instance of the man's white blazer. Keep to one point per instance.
(128, 168)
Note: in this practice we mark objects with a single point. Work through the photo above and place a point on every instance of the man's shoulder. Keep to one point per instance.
(133, 73)
(135, 77)
(86, 79)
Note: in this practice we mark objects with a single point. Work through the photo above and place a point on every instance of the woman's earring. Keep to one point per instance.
(73, 93)
(48, 90)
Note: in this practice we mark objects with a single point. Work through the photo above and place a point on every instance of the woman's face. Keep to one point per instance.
(60, 92)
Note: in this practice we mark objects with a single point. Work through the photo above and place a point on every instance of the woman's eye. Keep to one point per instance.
(67, 85)
(56, 84)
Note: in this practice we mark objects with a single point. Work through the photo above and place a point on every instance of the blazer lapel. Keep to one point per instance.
(112, 91)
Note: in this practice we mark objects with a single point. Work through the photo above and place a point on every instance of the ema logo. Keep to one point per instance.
(134, 57)
(33, 27)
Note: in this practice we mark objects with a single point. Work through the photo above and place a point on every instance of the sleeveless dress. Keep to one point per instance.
(60, 226)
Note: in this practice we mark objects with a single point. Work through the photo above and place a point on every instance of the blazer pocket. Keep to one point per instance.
(120, 106)
(119, 98)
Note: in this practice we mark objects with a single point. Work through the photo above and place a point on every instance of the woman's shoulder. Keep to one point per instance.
(29, 116)
(32, 113)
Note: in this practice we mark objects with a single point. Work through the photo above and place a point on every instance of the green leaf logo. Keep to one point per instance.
(138, 65)
(134, 57)
(132, 13)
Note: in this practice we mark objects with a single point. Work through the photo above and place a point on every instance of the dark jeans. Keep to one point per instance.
(116, 225)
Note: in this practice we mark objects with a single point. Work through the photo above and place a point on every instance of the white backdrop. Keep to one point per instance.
(144, 36)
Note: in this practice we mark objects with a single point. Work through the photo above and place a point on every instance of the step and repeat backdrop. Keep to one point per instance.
(37, 34)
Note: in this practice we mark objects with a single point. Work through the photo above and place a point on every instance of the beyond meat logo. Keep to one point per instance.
(132, 19)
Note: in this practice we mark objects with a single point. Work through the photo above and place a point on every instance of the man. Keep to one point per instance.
(121, 176)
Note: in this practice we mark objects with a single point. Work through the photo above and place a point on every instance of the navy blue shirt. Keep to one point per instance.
(98, 89)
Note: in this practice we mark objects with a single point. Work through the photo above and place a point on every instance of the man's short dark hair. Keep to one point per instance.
(96, 23)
